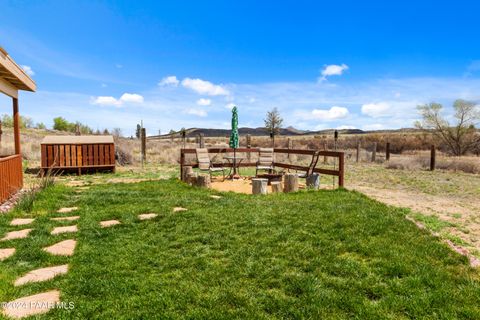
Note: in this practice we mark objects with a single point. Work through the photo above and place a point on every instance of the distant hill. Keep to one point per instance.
(289, 131)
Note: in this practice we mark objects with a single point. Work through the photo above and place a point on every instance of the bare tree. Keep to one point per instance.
(459, 137)
(117, 132)
(273, 123)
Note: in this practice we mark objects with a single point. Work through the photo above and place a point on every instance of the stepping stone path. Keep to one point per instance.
(178, 209)
(59, 230)
(67, 210)
(32, 305)
(109, 223)
(20, 234)
(73, 218)
(42, 274)
(62, 248)
(43, 302)
(215, 197)
(147, 216)
(6, 253)
(21, 222)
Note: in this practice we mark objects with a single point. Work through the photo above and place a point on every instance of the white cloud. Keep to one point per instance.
(112, 101)
(376, 110)
(28, 70)
(331, 114)
(131, 98)
(230, 106)
(204, 102)
(333, 70)
(169, 81)
(204, 87)
(196, 112)
(344, 127)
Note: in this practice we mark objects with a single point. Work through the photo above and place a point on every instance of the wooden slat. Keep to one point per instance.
(79, 156)
(112, 154)
(90, 155)
(73, 155)
(84, 155)
(44, 155)
(101, 154)
(67, 156)
(107, 153)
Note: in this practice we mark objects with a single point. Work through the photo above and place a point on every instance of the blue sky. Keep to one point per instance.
(323, 64)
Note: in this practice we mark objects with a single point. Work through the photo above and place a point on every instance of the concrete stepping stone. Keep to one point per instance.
(62, 248)
(67, 210)
(31, 305)
(147, 216)
(6, 253)
(42, 274)
(21, 222)
(72, 218)
(20, 234)
(178, 209)
(109, 223)
(215, 197)
(59, 230)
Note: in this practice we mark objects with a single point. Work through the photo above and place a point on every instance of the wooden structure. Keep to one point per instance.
(12, 79)
(340, 172)
(78, 153)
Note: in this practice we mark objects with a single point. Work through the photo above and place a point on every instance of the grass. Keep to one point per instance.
(328, 254)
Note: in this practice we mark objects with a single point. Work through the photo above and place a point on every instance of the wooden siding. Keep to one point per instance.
(78, 156)
(11, 176)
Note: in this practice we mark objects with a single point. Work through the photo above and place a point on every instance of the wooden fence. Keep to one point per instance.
(340, 172)
(11, 176)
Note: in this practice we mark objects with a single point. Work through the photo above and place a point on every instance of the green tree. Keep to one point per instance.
(138, 131)
(61, 124)
(41, 125)
(461, 136)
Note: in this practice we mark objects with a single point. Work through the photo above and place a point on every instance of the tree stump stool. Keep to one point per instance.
(192, 178)
(290, 183)
(313, 181)
(259, 186)
(276, 186)
(186, 170)
(203, 181)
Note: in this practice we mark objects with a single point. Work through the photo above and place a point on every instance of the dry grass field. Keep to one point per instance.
(446, 200)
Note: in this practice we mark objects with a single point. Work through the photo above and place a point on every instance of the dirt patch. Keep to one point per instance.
(462, 214)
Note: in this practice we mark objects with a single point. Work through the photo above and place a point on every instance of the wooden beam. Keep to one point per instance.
(25, 82)
(16, 126)
(8, 89)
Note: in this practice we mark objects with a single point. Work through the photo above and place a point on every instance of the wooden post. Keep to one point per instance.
(291, 183)
(1, 134)
(289, 146)
(182, 162)
(201, 140)
(276, 186)
(341, 169)
(358, 151)
(16, 126)
(203, 181)
(249, 145)
(144, 144)
(186, 171)
(324, 149)
(374, 152)
(259, 186)
(432, 157)
(387, 151)
(313, 181)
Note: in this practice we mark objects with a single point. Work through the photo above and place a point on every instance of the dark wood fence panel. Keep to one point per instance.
(78, 156)
(11, 176)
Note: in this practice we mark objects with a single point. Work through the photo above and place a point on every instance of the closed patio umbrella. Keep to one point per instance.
(234, 138)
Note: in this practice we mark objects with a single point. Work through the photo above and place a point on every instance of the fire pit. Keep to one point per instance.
(271, 177)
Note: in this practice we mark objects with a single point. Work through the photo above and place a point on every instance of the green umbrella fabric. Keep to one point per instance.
(234, 134)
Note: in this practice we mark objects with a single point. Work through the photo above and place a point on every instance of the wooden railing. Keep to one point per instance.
(11, 176)
(340, 172)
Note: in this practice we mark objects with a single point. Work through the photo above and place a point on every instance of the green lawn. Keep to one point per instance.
(327, 254)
